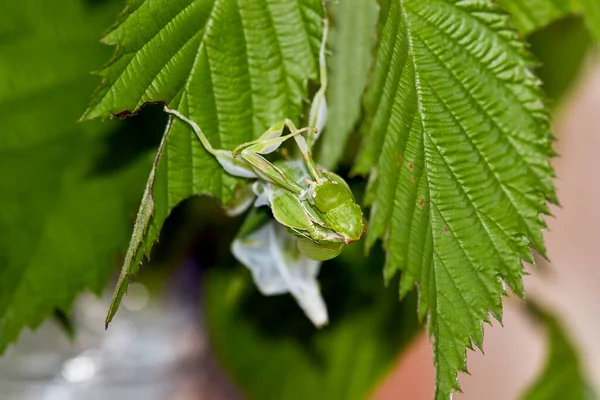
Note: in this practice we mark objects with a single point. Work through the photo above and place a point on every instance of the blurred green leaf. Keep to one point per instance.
(65, 322)
(565, 39)
(352, 40)
(563, 376)
(530, 15)
(273, 352)
(591, 12)
(61, 221)
(233, 67)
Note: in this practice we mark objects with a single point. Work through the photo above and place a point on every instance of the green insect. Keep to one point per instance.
(314, 204)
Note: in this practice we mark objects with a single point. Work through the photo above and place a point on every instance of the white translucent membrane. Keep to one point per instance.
(278, 267)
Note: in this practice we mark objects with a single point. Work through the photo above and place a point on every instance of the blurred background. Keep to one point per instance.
(193, 326)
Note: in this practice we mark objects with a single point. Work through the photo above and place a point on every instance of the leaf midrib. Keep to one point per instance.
(422, 117)
(490, 118)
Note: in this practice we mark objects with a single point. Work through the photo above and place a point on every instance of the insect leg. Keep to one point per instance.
(252, 154)
(270, 140)
(318, 109)
(230, 164)
(304, 149)
(269, 172)
(273, 132)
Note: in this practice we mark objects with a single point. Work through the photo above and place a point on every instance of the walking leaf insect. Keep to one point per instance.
(318, 208)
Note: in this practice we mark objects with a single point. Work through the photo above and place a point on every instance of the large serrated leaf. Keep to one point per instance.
(234, 67)
(62, 221)
(458, 143)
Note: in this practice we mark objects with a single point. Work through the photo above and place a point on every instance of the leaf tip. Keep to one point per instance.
(120, 291)
(88, 115)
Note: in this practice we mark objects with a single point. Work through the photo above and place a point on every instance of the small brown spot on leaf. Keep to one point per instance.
(422, 201)
(445, 229)
(123, 114)
(399, 159)
(413, 180)
(411, 165)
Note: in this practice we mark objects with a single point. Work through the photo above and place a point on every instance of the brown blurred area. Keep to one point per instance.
(515, 352)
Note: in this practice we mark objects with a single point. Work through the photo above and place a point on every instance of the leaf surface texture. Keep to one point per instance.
(234, 67)
(457, 145)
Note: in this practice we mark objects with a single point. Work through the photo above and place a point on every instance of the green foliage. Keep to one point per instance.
(531, 15)
(562, 377)
(565, 39)
(352, 39)
(590, 9)
(291, 359)
(62, 219)
(235, 68)
(457, 144)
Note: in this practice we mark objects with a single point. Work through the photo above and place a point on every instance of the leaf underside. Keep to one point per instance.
(234, 67)
(457, 144)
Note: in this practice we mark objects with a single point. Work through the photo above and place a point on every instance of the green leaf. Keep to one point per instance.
(458, 147)
(590, 9)
(563, 376)
(566, 39)
(62, 221)
(291, 359)
(234, 67)
(352, 39)
(530, 15)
